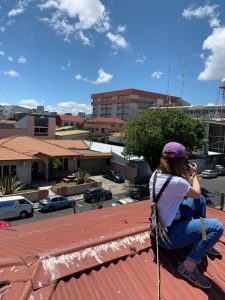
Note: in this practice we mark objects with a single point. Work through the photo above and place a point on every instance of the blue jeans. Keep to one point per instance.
(188, 232)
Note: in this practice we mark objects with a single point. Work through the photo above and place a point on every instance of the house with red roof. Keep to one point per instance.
(70, 120)
(102, 254)
(31, 159)
(102, 126)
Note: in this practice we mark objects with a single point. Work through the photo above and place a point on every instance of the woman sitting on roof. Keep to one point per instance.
(184, 226)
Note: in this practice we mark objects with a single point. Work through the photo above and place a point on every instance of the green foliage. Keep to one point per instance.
(147, 132)
(82, 176)
(56, 164)
(9, 185)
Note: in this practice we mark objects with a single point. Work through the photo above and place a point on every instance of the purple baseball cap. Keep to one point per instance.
(174, 149)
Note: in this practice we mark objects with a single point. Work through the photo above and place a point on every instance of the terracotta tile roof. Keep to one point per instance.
(106, 120)
(100, 254)
(70, 144)
(26, 145)
(6, 154)
(71, 118)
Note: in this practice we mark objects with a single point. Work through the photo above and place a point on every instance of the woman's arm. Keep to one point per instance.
(195, 190)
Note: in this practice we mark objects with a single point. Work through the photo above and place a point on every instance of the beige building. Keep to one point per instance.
(125, 103)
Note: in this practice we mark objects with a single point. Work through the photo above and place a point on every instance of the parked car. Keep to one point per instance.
(217, 167)
(97, 194)
(220, 170)
(15, 206)
(209, 174)
(55, 202)
(114, 176)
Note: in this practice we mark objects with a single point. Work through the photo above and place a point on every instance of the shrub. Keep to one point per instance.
(82, 176)
(10, 185)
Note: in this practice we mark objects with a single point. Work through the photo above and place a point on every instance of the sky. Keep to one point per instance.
(56, 53)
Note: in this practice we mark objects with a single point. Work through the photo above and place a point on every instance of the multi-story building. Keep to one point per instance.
(204, 112)
(34, 125)
(125, 103)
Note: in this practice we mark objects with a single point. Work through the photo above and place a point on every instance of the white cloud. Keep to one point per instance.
(203, 12)
(140, 59)
(81, 78)
(11, 73)
(10, 58)
(103, 78)
(215, 62)
(21, 60)
(84, 38)
(19, 9)
(73, 16)
(30, 103)
(121, 28)
(15, 12)
(2, 53)
(157, 74)
(70, 107)
(117, 40)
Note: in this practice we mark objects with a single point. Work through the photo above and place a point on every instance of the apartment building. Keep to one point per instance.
(39, 126)
(123, 104)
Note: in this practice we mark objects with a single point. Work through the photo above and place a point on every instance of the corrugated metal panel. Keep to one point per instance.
(104, 254)
(136, 278)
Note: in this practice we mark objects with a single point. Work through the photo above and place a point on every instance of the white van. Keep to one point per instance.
(15, 206)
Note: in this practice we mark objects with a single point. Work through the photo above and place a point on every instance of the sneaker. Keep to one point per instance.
(195, 277)
(215, 251)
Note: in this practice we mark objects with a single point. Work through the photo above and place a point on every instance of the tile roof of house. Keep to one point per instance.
(106, 120)
(7, 154)
(32, 146)
(70, 144)
(100, 254)
(71, 118)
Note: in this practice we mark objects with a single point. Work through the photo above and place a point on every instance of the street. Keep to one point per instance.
(211, 188)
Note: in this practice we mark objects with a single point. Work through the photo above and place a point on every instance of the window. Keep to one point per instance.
(5, 171)
(23, 201)
(65, 164)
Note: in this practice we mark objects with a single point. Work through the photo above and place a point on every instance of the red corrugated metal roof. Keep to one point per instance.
(101, 254)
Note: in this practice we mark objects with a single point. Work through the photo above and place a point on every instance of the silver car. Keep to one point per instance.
(209, 174)
(55, 202)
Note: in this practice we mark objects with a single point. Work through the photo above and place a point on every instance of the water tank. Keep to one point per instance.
(222, 84)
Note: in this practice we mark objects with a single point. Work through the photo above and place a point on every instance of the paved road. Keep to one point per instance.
(212, 189)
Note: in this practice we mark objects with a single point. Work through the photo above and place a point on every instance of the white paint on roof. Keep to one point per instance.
(51, 264)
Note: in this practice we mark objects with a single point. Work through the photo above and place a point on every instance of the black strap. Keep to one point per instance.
(156, 198)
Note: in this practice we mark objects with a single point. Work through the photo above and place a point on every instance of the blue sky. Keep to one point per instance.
(57, 53)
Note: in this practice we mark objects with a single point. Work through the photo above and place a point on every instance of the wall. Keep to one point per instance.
(33, 196)
(77, 189)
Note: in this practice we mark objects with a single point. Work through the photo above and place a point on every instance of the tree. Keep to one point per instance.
(147, 132)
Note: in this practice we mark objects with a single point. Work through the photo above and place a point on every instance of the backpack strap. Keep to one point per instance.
(156, 198)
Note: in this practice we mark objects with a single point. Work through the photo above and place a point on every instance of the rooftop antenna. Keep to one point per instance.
(183, 78)
(168, 83)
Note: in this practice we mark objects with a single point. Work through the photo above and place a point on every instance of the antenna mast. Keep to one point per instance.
(168, 83)
(183, 78)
